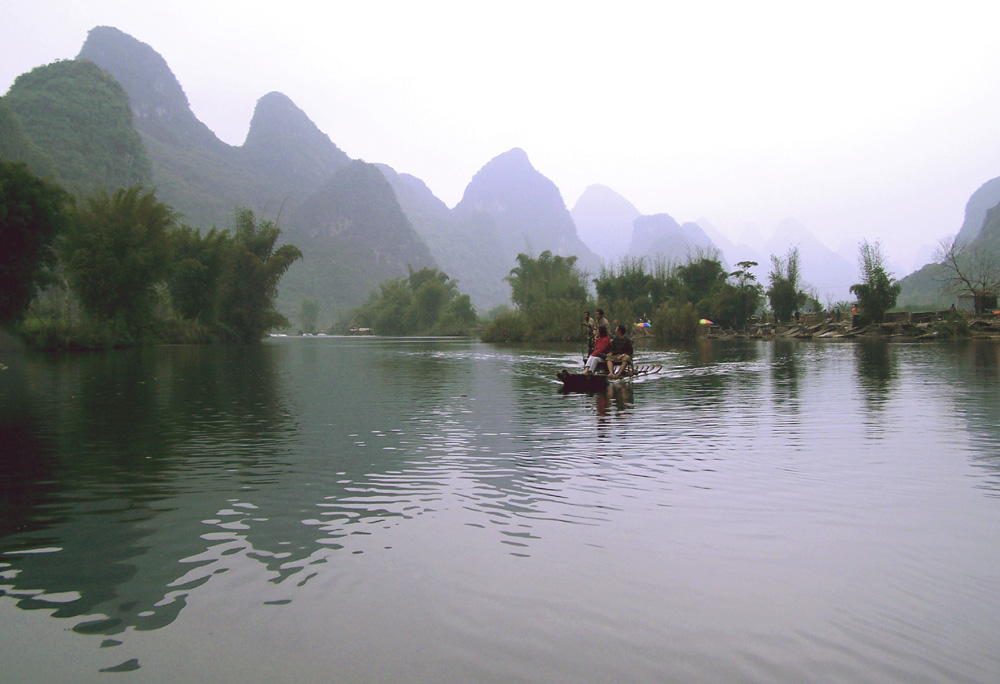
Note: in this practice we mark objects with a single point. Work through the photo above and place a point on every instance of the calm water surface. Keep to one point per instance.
(366, 510)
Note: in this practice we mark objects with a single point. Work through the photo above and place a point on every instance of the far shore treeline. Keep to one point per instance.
(113, 269)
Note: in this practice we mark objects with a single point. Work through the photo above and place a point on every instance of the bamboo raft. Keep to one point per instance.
(598, 382)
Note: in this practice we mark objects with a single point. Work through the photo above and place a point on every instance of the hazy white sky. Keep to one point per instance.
(859, 119)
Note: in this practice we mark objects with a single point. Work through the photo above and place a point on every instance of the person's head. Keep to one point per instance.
(620, 331)
(586, 314)
(600, 313)
(602, 331)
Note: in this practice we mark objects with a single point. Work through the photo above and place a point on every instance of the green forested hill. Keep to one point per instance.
(354, 225)
(922, 289)
(195, 172)
(77, 115)
(15, 145)
(354, 235)
(466, 248)
(980, 231)
(287, 168)
(285, 157)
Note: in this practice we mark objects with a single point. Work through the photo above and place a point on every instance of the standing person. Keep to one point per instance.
(602, 345)
(621, 349)
(601, 320)
(589, 330)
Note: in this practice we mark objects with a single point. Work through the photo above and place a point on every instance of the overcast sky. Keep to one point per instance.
(868, 119)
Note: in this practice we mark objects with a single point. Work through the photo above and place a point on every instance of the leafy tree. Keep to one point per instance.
(970, 269)
(784, 291)
(458, 317)
(534, 282)
(426, 302)
(387, 308)
(32, 213)
(627, 291)
(702, 272)
(550, 293)
(257, 266)
(116, 251)
(876, 292)
(198, 272)
(749, 293)
(432, 291)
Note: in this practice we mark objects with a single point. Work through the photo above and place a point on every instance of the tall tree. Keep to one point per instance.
(257, 266)
(117, 250)
(784, 286)
(198, 272)
(876, 292)
(534, 282)
(425, 303)
(635, 288)
(732, 304)
(32, 213)
(699, 277)
(972, 270)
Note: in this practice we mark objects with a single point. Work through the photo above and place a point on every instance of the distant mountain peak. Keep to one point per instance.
(979, 204)
(281, 129)
(515, 155)
(604, 221)
(506, 176)
(603, 199)
(154, 91)
(528, 209)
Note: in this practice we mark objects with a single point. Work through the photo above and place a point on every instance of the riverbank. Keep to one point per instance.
(932, 325)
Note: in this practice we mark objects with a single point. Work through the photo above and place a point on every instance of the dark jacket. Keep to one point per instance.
(621, 345)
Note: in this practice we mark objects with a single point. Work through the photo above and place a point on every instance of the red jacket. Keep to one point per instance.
(602, 345)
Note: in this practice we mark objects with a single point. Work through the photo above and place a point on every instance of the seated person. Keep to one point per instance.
(602, 345)
(621, 350)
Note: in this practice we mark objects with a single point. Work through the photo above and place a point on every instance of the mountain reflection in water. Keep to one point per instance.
(820, 512)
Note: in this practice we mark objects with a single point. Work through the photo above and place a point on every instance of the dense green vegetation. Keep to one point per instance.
(550, 293)
(255, 267)
(425, 303)
(679, 296)
(125, 272)
(15, 145)
(115, 252)
(32, 213)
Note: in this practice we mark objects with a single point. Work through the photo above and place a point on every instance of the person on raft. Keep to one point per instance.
(601, 320)
(602, 345)
(621, 350)
(589, 330)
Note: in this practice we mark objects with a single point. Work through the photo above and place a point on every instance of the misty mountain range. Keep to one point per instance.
(357, 223)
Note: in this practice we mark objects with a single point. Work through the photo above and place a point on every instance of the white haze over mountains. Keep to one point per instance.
(611, 226)
(858, 120)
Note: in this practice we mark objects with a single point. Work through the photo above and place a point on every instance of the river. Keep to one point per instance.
(435, 510)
